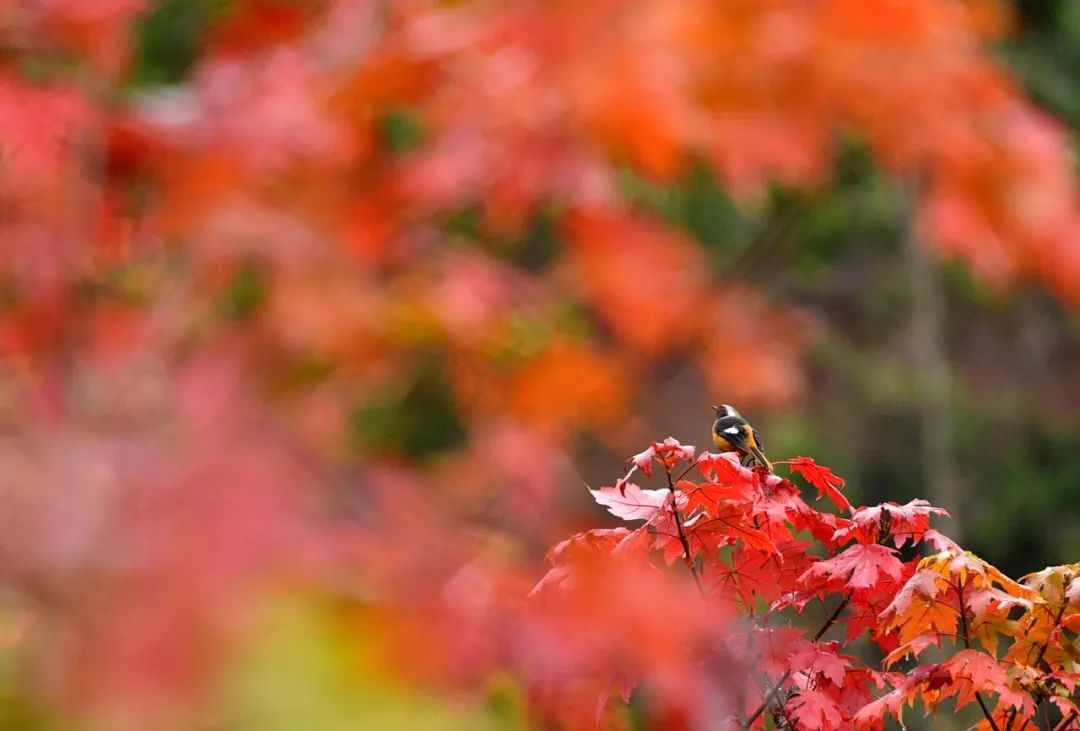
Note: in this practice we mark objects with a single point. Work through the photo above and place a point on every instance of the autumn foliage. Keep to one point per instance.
(302, 335)
(760, 555)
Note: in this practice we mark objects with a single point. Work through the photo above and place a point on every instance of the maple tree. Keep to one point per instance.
(323, 305)
(758, 552)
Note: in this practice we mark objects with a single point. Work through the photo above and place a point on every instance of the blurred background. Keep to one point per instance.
(316, 317)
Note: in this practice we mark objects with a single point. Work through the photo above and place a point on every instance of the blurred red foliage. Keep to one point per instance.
(202, 285)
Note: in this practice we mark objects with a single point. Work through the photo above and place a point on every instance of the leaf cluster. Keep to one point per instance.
(761, 555)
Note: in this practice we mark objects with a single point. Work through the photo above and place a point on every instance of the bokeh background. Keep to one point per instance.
(316, 317)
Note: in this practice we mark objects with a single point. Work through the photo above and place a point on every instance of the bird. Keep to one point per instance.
(732, 433)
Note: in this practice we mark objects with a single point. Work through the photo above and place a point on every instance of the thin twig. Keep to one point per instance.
(787, 673)
(682, 533)
(684, 473)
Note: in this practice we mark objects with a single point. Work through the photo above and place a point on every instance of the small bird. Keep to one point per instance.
(732, 433)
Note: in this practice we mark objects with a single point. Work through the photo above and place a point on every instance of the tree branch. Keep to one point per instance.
(787, 674)
(682, 533)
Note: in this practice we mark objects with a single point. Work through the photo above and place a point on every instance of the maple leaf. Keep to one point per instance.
(962, 677)
(643, 460)
(753, 573)
(813, 709)
(900, 522)
(630, 502)
(1072, 593)
(820, 657)
(670, 451)
(1056, 584)
(774, 646)
(783, 503)
(667, 453)
(860, 684)
(859, 567)
(582, 548)
(726, 524)
(941, 542)
(710, 496)
(871, 717)
(828, 484)
(724, 467)
(915, 610)
(865, 609)
(596, 540)
(973, 671)
(966, 568)
(986, 629)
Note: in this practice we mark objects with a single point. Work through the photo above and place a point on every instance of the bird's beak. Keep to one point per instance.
(716, 409)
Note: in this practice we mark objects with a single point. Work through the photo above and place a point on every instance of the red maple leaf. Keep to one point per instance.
(708, 497)
(667, 453)
(827, 482)
(643, 460)
(597, 540)
(871, 717)
(941, 542)
(820, 657)
(723, 467)
(973, 671)
(908, 522)
(725, 525)
(774, 646)
(859, 567)
(755, 574)
(814, 709)
(582, 548)
(783, 503)
(671, 450)
(865, 608)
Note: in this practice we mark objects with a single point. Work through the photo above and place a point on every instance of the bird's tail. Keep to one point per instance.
(760, 458)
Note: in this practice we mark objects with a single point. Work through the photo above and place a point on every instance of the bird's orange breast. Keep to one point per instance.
(722, 444)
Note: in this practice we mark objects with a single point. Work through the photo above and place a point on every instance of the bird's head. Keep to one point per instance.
(724, 410)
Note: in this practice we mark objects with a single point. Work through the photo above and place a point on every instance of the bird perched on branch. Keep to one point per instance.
(732, 433)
